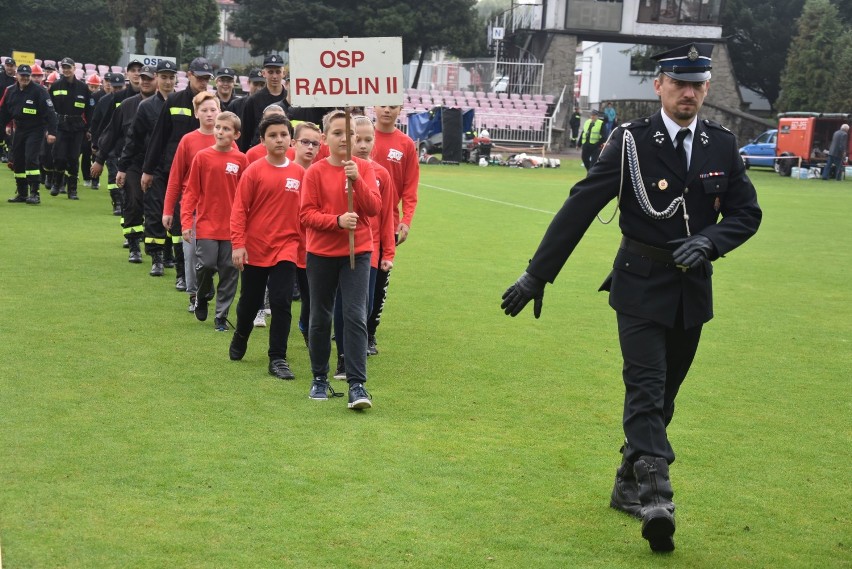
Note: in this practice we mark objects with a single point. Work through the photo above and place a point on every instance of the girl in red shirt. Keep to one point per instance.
(327, 221)
(265, 234)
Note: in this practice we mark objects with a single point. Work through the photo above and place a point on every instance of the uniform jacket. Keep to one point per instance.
(138, 136)
(71, 102)
(839, 144)
(715, 187)
(177, 118)
(113, 137)
(30, 108)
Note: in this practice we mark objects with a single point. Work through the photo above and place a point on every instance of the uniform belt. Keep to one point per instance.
(654, 253)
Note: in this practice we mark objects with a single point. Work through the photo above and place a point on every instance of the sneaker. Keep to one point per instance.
(267, 311)
(96, 185)
(372, 350)
(126, 244)
(192, 303)
(280, 369)
(200, 309)
(180, 284)
(358, 397)
(320, 389)
(341, 368)
(87, 183)
(239, 345)
(260, 319)
(221, 324)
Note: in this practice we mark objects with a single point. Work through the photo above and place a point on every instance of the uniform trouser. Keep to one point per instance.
(380, 293)
(46, 157)
(132, 219)
(325, 275)
(338, 310)
(838, 164)
(175, 238)
(112, 170)
(66, 152)
(26, 146)
(305, 292)
(656, 360)
(214, 256)
(86, 159)
(279, 279)
(155, 234)
(590, 153)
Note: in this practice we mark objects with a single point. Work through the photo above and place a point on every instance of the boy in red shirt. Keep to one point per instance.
(265, 233)
(396, 152)
(327, 224)
(209, 193)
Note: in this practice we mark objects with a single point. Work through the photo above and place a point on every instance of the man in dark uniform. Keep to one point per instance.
(7, 79)
(256, 82)
(29, 105)
(225, 87)
(177, 118)
(95, 84)
(679, 175)
(274, 92)
(70, 97)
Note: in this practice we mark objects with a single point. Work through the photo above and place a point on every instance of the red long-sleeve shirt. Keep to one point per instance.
(383, 225)
(265, 214)
(396, 152)
(324, 199)
(210, 190)
(187, 148)
(255, 153)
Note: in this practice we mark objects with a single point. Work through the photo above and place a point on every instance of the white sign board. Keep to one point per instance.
(346, 72)
(497, 33)
(151, 59)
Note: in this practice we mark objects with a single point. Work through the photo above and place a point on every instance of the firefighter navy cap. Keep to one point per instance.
(25, 69)
(117, 79)
(595, 112)
(148, 71)
(256, 76)
(134, 61)
(9, 61)
(226, 72)
(273, 61)
(690, 62)
(200, 67)
(166, 66)
(67, 61)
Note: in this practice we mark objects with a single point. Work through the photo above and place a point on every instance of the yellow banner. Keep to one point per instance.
(24, 57)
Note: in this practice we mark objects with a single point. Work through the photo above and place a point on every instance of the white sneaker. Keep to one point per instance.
(260, 319)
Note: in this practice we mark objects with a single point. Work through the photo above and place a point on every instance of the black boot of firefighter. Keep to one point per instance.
(72, 187)
(655, 495)
(20, 191)
(157, 268)
(34, 198)
(115, 196)
(135, 254)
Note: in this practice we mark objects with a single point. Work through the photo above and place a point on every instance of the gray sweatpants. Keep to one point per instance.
(214, 256)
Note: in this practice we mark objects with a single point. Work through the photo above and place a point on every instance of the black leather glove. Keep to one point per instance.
(692, 251)
(528, 287)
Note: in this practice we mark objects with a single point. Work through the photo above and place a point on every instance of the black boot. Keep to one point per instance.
(72, 187)
(115, 196)
(625, 491)
(96, 184)
(156, 263)
(20, 191)
(655, 494)
(34, 198)
(180, 268)
(135, 255)
(58, 184)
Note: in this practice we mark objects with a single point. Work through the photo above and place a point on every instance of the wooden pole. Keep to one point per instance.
(349, 196)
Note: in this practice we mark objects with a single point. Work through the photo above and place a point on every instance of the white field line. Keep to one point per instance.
(510, 204)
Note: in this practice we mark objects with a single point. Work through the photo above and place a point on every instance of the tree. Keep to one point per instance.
(759, 34)
(141, 15)
(810, 61)
(837, 98)
(84, 30)
(424, 25)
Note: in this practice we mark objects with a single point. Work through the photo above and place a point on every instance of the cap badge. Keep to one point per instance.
(663, 184)
(692, 55)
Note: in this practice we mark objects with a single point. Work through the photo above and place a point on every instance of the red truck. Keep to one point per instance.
(806, 137)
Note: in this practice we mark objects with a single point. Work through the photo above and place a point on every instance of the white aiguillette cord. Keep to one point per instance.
(629, 146)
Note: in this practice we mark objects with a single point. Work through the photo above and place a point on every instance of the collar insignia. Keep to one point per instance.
(705, 140)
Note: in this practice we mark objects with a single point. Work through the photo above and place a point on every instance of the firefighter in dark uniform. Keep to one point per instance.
(256, 82)
(676, 177)
(225, 87)
(101, 117)
(7, 79)
(69, 99)
(29, 105)
(177, 118)
(273, 92)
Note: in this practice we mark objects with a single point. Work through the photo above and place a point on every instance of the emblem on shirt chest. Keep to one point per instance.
(395, 155)
(231, 168)
(292, 185)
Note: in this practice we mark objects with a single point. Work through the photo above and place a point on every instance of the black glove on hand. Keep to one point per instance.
(692, 250)
(528, 287)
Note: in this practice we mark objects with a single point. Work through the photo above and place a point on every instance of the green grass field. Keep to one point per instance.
(128, 439)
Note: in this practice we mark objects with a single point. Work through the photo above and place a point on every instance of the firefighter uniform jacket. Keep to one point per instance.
(70, 99)
(30, 108)
(177, 118)
(138, 136)
(715, 186)
(112, 139)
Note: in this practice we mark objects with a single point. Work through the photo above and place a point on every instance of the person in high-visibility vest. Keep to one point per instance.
(591, 140)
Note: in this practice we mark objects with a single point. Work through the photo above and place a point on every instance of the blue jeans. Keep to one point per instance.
(838, 162)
